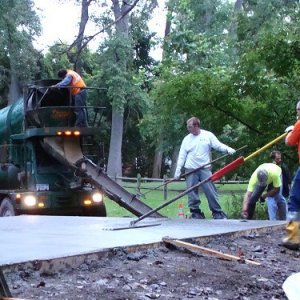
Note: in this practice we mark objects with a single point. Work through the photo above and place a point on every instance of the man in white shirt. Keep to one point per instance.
(195, 151)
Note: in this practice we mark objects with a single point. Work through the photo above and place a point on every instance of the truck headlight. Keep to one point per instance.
(29, 200)
(97, 197)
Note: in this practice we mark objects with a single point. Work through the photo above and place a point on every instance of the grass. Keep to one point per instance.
(230, 197)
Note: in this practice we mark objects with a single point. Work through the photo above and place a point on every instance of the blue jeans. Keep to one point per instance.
(294, 198)
(208, 188)
(277, 206)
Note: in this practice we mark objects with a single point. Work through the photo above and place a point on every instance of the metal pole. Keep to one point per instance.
(4, 289)
(266, 146)
(132, 223)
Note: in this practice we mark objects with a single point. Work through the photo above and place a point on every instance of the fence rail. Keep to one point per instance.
(162, 180)
(165, 188)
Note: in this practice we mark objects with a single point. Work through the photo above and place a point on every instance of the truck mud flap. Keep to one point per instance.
(68, 151)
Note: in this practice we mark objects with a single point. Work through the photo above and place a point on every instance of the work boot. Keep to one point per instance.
(219, 216)
(196, 214)
(292, 239)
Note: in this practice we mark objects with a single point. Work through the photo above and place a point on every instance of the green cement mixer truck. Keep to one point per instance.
(43, 169)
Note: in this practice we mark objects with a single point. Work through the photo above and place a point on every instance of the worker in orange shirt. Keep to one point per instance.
(292, 239)
(77, 87)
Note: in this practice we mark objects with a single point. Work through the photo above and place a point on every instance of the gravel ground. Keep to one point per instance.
(170, 273)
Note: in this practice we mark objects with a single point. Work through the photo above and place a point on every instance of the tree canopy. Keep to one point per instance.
(235, 65)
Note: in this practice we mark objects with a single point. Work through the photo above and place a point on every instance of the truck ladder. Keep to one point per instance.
(68, 151)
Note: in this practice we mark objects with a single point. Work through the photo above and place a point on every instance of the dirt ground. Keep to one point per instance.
(165, 273)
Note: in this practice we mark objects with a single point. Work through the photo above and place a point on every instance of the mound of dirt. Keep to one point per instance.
(170, 273)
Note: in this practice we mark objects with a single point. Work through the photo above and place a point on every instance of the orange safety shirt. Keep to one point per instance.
(293, 138)
(77, 82)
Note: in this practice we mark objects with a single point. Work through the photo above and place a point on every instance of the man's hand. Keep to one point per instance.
(230, 151)
(262, 199)
(290, 128)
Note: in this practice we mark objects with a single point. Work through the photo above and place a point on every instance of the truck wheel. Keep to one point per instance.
(99, 211)
(6, 208)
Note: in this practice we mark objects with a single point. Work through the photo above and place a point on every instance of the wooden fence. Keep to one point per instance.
(161, 183)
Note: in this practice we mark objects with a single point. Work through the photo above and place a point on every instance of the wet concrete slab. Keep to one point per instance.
(29, 238)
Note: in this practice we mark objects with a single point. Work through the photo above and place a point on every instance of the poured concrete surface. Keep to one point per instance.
(28, 238)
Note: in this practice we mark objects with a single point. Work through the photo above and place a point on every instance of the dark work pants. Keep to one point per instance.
(253, 199)
(80, 110)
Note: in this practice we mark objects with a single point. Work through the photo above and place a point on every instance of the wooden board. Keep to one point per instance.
(195, 248)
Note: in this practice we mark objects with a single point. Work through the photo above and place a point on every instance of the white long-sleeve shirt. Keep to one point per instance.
(195, 150)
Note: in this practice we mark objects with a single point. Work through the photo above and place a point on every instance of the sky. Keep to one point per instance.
(60, 22)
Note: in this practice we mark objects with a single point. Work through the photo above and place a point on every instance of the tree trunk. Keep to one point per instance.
(114, 166)
(238, 7)
(83, 21)
(174, 160)
(158, 155)
(14, 87)
(156, 171)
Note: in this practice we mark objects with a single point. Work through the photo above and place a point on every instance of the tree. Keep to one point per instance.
(249, 99)
(19, 25)
(122, 79)
(80, 37)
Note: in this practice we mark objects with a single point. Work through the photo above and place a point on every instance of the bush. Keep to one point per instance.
(234, 203)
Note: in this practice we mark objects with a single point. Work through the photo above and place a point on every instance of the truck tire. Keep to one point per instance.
(6, 208)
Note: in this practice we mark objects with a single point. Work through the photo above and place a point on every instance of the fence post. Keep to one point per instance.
(165, 187)
(138, 183)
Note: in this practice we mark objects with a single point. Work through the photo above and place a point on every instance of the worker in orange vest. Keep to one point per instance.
(292, 238)
(77, 87)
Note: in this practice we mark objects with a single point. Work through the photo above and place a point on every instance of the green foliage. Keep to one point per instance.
(199, 38)
(55, 59)
(245, 99)
(231, 199)
(19, 25)
(59, 56)
(238, 71)
(203, 94)
(233, 203)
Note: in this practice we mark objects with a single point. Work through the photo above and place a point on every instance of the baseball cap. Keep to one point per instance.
(262, 176)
